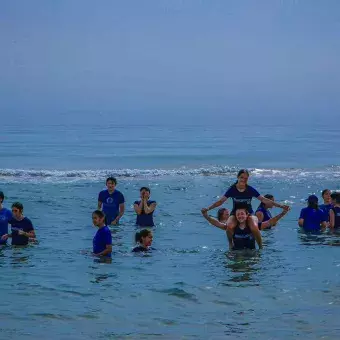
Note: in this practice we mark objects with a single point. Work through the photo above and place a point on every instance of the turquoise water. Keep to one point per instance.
(191, 287)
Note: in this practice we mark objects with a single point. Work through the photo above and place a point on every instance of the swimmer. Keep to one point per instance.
(312, 219)
(327, 203)
(111, 202)
(102, 241)
(22, 227)
(145, 209)
(144, 239)
(334, 213)
(5, 217)
(262, 213)
(242, 193)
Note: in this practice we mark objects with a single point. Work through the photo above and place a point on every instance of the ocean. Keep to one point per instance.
(191, 287)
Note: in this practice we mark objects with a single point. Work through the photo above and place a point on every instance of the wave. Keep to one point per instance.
(20, 175)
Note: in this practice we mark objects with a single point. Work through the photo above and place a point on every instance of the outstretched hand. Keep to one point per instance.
(204, 211)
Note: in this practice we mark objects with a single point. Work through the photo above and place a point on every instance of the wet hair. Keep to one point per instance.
(243, 206)
(2, 196)
(324, 191)
(112, 179)
(313, 205)
(269, 196)
(18, 205)
(335, 196)
(145, 188)
(141, 234)
(220, 213)
(99, 213)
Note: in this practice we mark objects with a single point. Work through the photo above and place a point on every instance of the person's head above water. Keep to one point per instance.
(241, 214)
(269, 205)
(98, 218)
(144, 192)
(17, 210)
(242, 178)
(223, 214)
(111, 183)
(335, 197)
(144, 237)
(2, 197)
(312, 201)
(326, 195)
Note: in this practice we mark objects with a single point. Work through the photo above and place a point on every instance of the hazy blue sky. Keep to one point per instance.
(190, 58)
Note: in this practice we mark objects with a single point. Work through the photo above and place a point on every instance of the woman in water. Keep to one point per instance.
(145, 209)
(312, 219)
(102, 241)
(22, 227)
(334, 213)
(144, 239)
(242, 193)
(327, 203)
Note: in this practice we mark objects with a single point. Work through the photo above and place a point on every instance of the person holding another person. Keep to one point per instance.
(111, 202)
(312, 218)
(145, 209)
(22, 227)
(102, 241)
(5, 217)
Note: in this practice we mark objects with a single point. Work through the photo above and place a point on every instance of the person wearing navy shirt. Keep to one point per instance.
(102, 241)
(144, 209)
(334, 213)
(111, 202)
(5, 217)
(22, 227)
(144, 239)
(262, 212)
(327, 203)
(241, 193)
(312, 218)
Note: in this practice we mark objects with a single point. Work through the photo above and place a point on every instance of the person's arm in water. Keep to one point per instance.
(148, 209)
(331, 219)
(268, 201)
(259, 215)
(100, 205)
(138, 207)
(107, 251)
(121, 213)
(216, 204)
(214, 221)
(323, 225)
(5, 237)
(274, 220)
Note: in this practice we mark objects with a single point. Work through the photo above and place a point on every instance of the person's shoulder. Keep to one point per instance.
(103, 193)
(151, 202)
(136, 202)
(138, 249)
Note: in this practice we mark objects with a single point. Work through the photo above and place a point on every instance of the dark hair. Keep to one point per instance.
(112, 179)
(334, 195)
(243, 206)
(324, 191)
(269, 196)
(313, 205)
(99, 213)
(18, 205)
(140, 234)
(241, 172)
(2, 196)
(145, 188)
(337, 198)
(220, 213)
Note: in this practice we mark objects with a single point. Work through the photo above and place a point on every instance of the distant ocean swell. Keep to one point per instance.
(22, 175)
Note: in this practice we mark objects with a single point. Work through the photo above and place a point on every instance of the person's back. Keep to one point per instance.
(312, 218)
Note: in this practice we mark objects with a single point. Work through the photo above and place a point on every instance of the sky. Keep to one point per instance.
(169, 59)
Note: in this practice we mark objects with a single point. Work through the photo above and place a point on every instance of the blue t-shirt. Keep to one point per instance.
(111, 204)
(241, 198)
(25, 225)
(145, 220)
(336, 211)
(102, 238)
(326, 208)
(5, 216)
(312, 218)
(266, 213)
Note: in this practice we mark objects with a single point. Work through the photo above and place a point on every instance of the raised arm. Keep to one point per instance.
(259, 215)
(149, 209)
(268, 201)
(274, 220)
(138, 207)
(214, 221)
(216, 204)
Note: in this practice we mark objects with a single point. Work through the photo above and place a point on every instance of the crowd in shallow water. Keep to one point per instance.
(242, 224)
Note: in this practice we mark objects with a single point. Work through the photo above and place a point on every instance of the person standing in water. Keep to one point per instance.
(262, 212)
(312, 219)
(111, 202)
(102, 241)
(145, 209)
(5, 217)
(327, 203)
(334, 213)
(144, 239)
(241, 193)
(22, 227)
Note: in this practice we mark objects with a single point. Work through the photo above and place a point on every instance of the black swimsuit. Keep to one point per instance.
(243, 238)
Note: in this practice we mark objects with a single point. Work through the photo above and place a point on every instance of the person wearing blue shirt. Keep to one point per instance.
(102, 241)
(327, 203)
(5, 217)
(312, 218)
(22, 227)
(262, 212)
(334, 213)
(145, 209)
(111, 202)
(242, 194)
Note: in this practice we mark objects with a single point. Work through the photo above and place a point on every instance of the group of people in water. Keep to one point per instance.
(242, 225)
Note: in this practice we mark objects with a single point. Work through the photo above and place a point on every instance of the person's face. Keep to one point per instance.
(97, 221)
(17, 213)
(327, 196)
(147, 240)
(241, 215)
(225, 214)
(145, 194)
(243, 179)
(110, 185)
